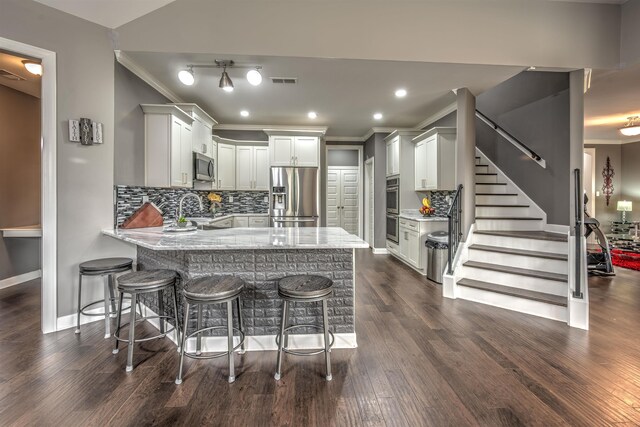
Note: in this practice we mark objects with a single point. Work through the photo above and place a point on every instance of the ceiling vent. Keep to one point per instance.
(9, 75)
(284, 80)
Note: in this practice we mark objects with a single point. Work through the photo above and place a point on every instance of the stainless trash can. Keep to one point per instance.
(437, 249)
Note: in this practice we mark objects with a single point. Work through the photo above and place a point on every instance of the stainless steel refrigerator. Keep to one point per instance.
(294, 197)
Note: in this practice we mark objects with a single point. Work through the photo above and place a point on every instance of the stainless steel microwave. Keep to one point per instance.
(203, 167)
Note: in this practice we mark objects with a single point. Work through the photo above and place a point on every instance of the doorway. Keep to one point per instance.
(369, 202)
(589, 179)
(344, 188)
(48, 183)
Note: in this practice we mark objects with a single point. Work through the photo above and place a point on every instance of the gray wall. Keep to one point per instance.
(240, 135)
(85, 88)
(450, 120)
(375, 147)
(631, 177)
(603, 213)
(534, 108)
(130, 92)
(338, 157)
(630, 33)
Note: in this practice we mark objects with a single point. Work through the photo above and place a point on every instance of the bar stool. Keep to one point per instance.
(108, 267)
(304, 289)
(144, 282)
(212, 290)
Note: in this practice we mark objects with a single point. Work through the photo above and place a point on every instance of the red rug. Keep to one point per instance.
(625, 259)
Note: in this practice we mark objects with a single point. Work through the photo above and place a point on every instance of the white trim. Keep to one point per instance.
(381, 130)
(27, 232)
(238, 141)
(438, 115)
(276, 129)
(343, 139)
(369, 204)
(48, 178)
(20, 278)
(609, 141)
(69, 321)
(143, 74)
(592, 187)
(360, 168)
(380, 251)
(556, 228)
(172, 109)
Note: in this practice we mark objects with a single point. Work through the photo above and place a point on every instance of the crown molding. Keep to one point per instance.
(272, 129)
(608, 141)
(136, 69)
(238, 141)
(438, 115)
(343, 139)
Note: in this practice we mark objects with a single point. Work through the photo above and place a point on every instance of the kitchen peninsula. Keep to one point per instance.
(260, 256)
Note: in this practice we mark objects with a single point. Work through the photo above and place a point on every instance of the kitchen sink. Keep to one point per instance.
(212, 227)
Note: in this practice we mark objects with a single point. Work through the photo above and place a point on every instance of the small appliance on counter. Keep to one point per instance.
(294, 197)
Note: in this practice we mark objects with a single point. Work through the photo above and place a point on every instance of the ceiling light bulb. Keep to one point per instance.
(33, 67)
(377, 116)
(401, 93)
(186, 77)
(225, 82)
(244, 113)
(632, 128)
(228, 88)
(254, 77)
(312, 115)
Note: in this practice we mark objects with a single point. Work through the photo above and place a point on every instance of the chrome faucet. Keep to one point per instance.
(182, 200)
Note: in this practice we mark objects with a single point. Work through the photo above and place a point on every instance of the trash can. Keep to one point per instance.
(437, 250)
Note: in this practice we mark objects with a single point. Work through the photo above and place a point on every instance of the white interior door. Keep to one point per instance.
(333, 197)
(350, 200)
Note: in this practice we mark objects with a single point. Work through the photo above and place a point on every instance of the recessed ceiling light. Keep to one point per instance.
(244, 113)
(312, 115)
(33, 67)
(377, 116)
(401, 93)
(254, 77)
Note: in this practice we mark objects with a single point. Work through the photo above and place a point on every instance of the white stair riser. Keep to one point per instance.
(546, 286)
(536, 308)
(508, 225)
(482, 168)
(486, 178)
(520, 261)
(495, 189)
(510, 211)
(496, 200)
(519, 243)
(478, 161)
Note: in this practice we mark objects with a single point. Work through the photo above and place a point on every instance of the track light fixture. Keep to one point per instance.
(186, 76)
(254, 77)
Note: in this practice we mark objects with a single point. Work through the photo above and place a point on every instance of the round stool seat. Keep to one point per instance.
(213, 288)
(146, 280)
(105, 264)
(305, 286)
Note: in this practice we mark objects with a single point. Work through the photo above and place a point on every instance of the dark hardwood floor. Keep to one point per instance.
(422, 360)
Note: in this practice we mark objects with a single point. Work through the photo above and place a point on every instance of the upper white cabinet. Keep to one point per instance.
(252, 167)
(435, 159)
(393, 155)
(294, 150)
(201, 128)
(226, 166)
(168, 145)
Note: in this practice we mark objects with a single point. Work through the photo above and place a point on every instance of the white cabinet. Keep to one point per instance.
(226, 166)
(168, 139)
(258, 221)
(224, 222)
(393, 156)
(240, 221)
(409, 243)
(301, 151)
(201, 128)
(435, 161)
(252, 167)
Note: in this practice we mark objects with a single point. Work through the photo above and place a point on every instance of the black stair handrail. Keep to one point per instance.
(577, 291)
(455, 227)
(535, 156)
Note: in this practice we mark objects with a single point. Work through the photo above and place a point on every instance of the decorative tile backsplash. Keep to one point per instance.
(129, 198)
(439, 201)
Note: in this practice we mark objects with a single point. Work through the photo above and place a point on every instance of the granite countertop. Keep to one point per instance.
(240, 238)
(417, 216)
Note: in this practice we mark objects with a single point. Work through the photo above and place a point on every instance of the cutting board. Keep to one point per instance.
(148, 215)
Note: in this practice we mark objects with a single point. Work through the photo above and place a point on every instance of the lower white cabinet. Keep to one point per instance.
(224, 222)
(258, 221)
(233, 221)
(240, 221)
(411, 239)
(410, 248)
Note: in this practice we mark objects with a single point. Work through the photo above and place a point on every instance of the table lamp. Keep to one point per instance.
(624, 206)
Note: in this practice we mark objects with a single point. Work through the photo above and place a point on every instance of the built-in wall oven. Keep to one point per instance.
(393, 208)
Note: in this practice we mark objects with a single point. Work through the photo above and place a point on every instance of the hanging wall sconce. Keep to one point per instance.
(607, 186)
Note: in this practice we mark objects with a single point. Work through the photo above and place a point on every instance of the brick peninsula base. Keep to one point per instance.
(261, 306)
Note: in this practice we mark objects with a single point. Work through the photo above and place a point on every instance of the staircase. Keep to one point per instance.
(511, 261)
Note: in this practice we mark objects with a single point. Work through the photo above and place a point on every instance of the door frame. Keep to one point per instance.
(360, 149)
(48, 174)
(592, 193)
(369, 203)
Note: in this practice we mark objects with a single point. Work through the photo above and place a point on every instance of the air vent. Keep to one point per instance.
(9, 75)
(284, 80)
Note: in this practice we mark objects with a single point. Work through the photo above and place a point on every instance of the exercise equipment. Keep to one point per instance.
(598, 260)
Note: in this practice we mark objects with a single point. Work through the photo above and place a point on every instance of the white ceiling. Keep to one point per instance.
(12, 63)
(108, 13)
(614, 96)
(344, 93)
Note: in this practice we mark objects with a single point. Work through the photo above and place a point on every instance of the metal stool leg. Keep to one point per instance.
(118, 322)
(107, 306)
(176, 318)
(198, 327)
(232, 376)
(112, 294)
(287, 308)
(161, 310)
(184, 343)
(280, 344)
(240, 325)
(132, 332)
(327, 349)
(79, 302)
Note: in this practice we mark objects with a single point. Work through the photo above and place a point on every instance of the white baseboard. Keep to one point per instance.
(556, 228)
(380, 251)
(215, 344)
(69, 321)
(21, 278)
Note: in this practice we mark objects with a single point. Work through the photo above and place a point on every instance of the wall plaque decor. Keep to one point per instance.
(74, 131)
(607, 185)
(86, 132)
